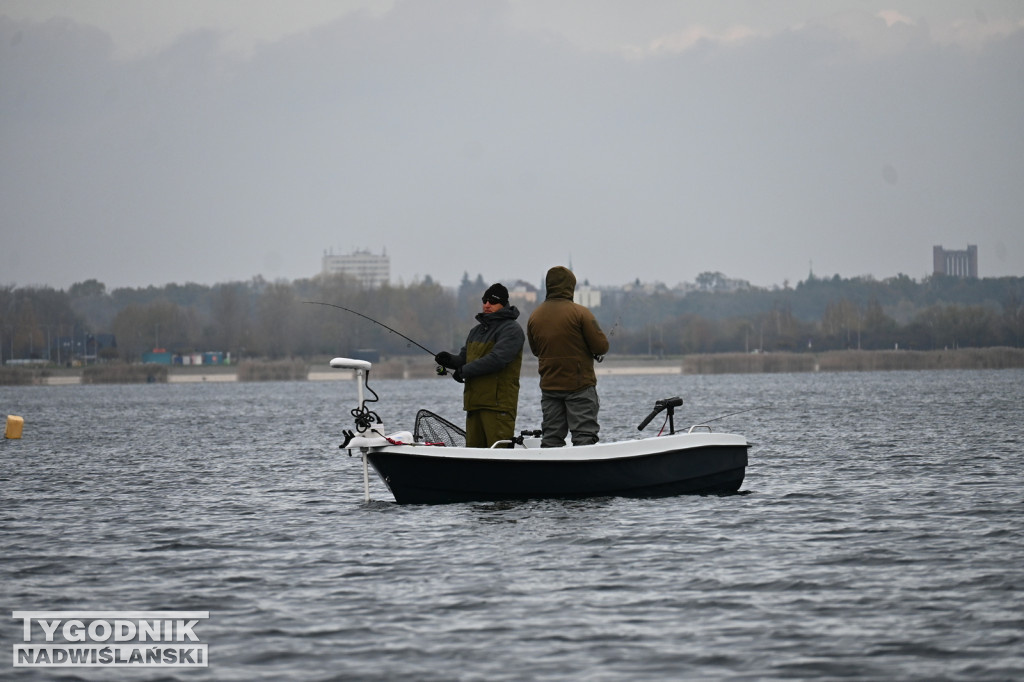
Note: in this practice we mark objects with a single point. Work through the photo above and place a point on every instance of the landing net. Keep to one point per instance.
(436, 430)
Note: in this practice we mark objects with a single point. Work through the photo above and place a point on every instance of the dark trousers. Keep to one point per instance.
(569, 411)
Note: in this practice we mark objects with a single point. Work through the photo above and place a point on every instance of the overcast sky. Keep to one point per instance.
(213, 141)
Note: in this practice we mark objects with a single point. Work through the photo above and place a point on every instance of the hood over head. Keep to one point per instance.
(560, 282)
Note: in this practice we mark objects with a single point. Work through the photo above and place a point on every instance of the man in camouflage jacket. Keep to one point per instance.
(489, 365)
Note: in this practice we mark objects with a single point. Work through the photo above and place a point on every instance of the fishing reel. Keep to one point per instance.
(443, 371)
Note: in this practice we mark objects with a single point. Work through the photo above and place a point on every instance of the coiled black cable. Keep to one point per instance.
(364, 416)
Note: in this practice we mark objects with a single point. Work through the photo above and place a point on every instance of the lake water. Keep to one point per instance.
(879, 535)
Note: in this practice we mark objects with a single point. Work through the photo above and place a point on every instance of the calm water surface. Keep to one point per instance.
(879, 535)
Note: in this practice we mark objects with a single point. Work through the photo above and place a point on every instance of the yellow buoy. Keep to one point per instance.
(14, 426)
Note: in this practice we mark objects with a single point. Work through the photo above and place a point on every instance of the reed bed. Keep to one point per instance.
(854, 361)
(125, 374)
(19, 376)
(716, 363)
(746, 363)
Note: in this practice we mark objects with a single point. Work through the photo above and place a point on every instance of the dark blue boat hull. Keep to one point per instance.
(431, 479)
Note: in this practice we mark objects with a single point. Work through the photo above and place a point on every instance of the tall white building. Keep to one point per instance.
(368, 268)
(587, 296)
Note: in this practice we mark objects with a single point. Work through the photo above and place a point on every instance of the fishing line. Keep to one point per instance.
(367, 317)
(749, 409)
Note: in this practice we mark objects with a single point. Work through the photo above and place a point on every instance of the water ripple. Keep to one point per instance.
(878, 536)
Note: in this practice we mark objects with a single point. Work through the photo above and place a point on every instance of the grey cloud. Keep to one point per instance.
(460, 144)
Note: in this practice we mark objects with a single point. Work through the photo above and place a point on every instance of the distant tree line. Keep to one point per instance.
(275, 320)
(821, 314)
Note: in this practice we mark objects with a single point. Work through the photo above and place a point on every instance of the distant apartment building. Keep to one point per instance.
(522, 293)
(587, 296)
(367, 268)
(955, 263)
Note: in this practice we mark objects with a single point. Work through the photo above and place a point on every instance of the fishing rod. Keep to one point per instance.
(669, 405)
(749, 409)
(367, 317)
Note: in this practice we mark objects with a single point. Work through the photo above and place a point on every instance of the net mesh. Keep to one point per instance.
(431, 428)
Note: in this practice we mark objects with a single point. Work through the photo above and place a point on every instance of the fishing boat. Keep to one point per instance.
(431, 465)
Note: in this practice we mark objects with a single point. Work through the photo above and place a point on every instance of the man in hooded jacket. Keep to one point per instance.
(566, 339)
(489, 365)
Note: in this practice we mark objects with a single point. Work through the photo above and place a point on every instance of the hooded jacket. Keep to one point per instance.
(564, 336)
(491, 360)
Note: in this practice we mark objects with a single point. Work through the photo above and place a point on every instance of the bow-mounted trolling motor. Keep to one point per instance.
(365, 418)
(669, 405)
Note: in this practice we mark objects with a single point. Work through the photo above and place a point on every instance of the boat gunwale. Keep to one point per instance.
(582, 453)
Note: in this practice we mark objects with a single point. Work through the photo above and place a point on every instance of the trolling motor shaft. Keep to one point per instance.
(362, 414)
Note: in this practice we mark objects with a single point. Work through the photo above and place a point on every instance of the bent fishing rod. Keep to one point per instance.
(367, 317)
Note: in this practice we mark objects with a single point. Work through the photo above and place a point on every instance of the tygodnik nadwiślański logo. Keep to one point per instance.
(114, 639)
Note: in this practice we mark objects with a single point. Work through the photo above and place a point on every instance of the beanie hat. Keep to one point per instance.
(496, 293)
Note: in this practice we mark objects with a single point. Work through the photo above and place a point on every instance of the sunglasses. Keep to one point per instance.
(494, 300)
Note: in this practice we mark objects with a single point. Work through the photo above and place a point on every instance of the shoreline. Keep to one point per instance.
(415, 367)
